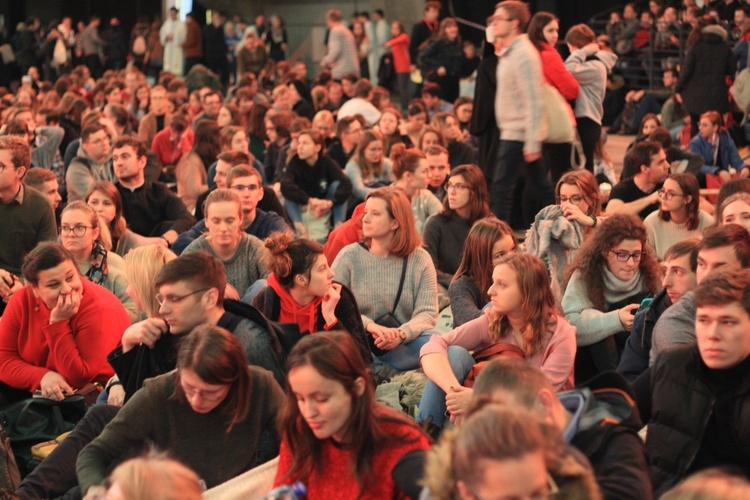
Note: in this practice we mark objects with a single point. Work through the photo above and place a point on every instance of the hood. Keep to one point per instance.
(608, 58)
(609, 399)
(714, 33)
(83, 154)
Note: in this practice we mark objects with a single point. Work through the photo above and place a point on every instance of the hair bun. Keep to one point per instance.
(278, 242)
(397, 151)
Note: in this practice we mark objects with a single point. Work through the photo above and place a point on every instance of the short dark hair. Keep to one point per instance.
(20, 152)
(199, 268)
(642, 153)
(732, 235)
(234, 158)
(662, 136)
(132, 141)
(36, 176)
(343, 125)
(363, 88)
(243, 170)
(513, 375)
(722, 288)
(90, 130)
(44, 256)
(682, 248)
(431, 89)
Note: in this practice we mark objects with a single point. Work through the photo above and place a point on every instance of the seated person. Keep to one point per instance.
(726, 247)
(679, 217)
(81, 235)
(92, 162)
(211, 369)
(354, 455)
(505, 452)
(361, 103)
(393, 279)
(348, 232)
(301, 290)
(349, 132)
(693, 396)
(438, 169)
(244, 256)
(488, 241)
(639, 195)
(614, 270)
(445, 233)
(44, 181)
(717, 148)
(680, 160)
(522, 314)
(314, 180)
(57, 330)
(735, 209)
(410, 172)
(172, 142)
(151, 209)
(459, 153)
(679, 266)
(368, 169)
(598, 419)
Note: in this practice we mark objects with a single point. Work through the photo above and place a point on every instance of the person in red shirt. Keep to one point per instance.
(335, 439)
(57, 331)
(399, 46)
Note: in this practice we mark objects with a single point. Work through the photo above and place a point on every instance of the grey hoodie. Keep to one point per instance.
(83, 171)
(591, 75)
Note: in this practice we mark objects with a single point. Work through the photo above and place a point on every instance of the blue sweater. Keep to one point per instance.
(727, 156)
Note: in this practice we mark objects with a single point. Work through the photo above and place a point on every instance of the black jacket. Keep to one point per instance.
(444, 54)
(702, 82)
(300, 181)
(419, 35)
(678, 399)
(483, 124)
(215, 45)
(635, 356)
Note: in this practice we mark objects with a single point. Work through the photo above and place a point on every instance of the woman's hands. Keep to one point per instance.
(330, 301)
(116, 395)
(53, 386)
(573, 213)
(457, 402)
(627, 315)
(66, 307)
(385, 338)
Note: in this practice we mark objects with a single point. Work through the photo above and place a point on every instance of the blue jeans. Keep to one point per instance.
(433, 397)
(294, 211)
(253, 290)
(406, 356)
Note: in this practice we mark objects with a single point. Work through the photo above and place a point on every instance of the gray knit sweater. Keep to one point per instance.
(374, 282)
(245, 267)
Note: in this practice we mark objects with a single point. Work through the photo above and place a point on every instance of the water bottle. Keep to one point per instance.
(296, 491)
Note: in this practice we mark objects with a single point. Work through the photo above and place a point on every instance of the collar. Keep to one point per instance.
(132, 190)
(19, 196)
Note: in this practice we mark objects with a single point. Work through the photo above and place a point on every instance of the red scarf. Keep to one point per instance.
(291, 312)
(433, 26)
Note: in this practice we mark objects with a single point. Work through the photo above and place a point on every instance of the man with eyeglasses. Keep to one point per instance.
(92, 162)
(190, 292)
(26, 217)
(149, 208)
(211, 103)
(245, 180)
(724, 247)
(639, 195)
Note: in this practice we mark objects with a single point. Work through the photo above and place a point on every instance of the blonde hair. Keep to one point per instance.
(710, 484)
(155, 475)
(142, 265)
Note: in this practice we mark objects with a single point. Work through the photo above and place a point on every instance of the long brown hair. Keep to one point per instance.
(591, 257)
(476, 262)
(536, 29)
(538, 305)
(586, 183)
(118, 226)
(376, 169)
(690, 188)
(217, 358)
(335, 356)
(406, 238)
(479, 202)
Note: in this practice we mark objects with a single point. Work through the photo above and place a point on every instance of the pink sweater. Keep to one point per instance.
(556, 360)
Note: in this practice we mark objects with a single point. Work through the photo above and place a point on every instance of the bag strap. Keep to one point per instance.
(400, 286)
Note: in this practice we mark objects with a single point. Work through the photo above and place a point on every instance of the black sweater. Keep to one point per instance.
(301, 181)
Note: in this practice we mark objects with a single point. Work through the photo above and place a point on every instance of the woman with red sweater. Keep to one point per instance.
(301, 290)
(57, 331)
(543, 33)
(335, 438)
(399, 46)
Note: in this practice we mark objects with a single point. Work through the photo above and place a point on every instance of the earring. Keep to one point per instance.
(36, 309)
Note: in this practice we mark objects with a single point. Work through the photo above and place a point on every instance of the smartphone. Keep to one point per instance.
(644, 304)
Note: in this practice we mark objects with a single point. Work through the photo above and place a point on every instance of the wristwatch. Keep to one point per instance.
(401, 334)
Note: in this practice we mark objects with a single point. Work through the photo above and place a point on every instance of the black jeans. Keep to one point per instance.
(557, 159)
(537, 192)
(56, 475)
(590, 133)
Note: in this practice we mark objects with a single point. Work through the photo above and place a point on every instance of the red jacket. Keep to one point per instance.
(557, 74)
(169, 152)
(347, 233)
(77, 348)
(400, 51)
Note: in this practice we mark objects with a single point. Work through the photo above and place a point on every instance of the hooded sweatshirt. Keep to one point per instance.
(83, 171)
(591, 73)
(291, 312)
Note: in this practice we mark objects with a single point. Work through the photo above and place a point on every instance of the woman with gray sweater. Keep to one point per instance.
(373, 270)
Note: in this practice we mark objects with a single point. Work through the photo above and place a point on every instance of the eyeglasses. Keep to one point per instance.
(249, 187)
(668, 195)
(207, 396)
(175, 299)
(458, 186)
(575, 200)
(625, 256)
(77, 231)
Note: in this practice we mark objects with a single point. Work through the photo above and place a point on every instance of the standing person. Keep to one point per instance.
(441, 60)
(90, 45)
(116, 46)
(424, 31)
(192, 47)
(702, 84)
(275, 38)
(590, 67)
(399, 45)
(519, 113)
(216, 48)
(544, 30)
(374, 270)
(344, 444)
(172, 36)
(341, 58)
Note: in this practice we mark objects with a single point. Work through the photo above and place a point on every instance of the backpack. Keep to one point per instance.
(139, 45)
(487, 354)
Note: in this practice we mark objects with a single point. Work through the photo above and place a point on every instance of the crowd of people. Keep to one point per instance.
(240, 255)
